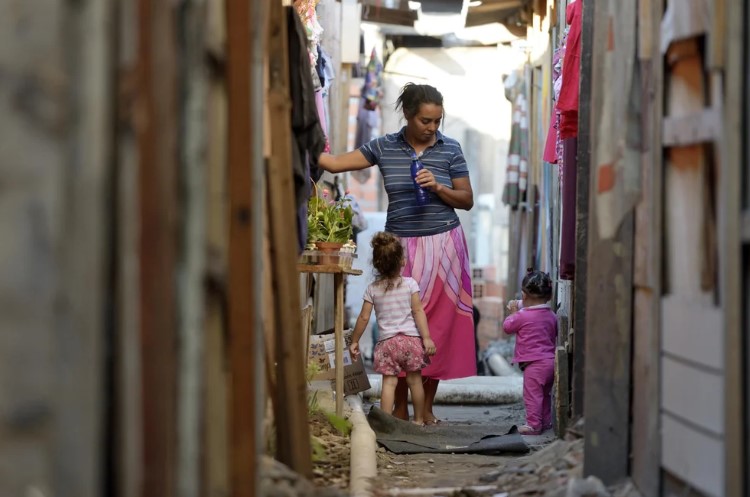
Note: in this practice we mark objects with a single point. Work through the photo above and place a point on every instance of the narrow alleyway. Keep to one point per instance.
(475, 474)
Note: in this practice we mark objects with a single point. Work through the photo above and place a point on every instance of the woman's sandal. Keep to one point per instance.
(433, 421)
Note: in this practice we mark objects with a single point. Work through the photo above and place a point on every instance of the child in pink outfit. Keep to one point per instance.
(535, 327)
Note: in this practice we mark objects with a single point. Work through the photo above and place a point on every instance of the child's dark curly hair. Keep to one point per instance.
(387, 257)
(537, 284)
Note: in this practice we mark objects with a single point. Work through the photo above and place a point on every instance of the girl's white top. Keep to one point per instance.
(393, 307)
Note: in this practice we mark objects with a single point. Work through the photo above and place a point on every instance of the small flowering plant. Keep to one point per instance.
(329, 220)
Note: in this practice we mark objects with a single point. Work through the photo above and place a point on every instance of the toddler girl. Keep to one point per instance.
(535, 326)
(401, 323)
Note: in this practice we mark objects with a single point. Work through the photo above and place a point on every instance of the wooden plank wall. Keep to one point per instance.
(692, 437)
(56, 137)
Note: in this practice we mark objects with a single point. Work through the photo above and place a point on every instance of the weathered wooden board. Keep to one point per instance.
(157, 152)
(680, 382)
(645, 440)
(290, 410)
(608, 311)
(585, 149)
(692, 331)
(243, 249)
(695, 456)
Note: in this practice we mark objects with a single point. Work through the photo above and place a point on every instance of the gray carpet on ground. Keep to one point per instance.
(404, 437)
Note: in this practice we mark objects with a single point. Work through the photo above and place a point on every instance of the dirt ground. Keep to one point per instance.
(553, 468)
(412, 471)
(331, 451)
(432, 470)
(544, 471)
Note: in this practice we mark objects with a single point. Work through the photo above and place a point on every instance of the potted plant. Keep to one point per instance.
(329, 223)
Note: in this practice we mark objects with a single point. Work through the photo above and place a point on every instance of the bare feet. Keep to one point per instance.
(432, 420)
(418, 422)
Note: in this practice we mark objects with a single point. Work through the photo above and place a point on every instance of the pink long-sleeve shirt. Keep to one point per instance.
(536, 330)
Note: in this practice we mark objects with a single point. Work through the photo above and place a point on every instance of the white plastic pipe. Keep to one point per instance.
(472, 390)
(363, 465)
(500, 366)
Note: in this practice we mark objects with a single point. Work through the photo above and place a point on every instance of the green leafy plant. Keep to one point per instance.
(312, 396)
(328, 220)
(341, 425)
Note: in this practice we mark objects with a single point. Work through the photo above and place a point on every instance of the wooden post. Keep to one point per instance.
(242, 252)
(609, 289)
(157, 150)
(292, 430)
(585, 153)
(729, 47)
(338, 281)
(84, 303)
(194, 85)
(562, 397)
(216, 399)
(646, 439)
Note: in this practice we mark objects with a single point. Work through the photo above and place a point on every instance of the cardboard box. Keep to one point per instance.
(323, 352)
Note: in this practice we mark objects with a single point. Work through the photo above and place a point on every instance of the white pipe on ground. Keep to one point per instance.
(472, 390)
(363, 466)
(500, 366)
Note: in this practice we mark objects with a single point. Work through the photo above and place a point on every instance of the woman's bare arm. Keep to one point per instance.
(350, 161)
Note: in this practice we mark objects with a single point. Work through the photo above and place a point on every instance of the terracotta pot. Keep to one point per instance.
(330, 252)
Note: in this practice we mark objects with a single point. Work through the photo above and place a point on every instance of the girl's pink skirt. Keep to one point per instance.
(400, 353)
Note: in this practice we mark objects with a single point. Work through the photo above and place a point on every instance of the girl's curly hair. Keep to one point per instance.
(387, 257)
(537, 284)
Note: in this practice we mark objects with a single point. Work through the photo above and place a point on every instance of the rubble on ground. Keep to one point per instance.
(277, 480)
(554, 471)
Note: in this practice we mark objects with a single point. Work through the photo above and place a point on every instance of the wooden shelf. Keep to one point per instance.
(338, 273)
(327, 269)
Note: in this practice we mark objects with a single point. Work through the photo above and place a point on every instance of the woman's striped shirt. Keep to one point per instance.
(444, 159)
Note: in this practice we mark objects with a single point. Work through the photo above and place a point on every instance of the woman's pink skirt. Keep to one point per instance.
(440, 264)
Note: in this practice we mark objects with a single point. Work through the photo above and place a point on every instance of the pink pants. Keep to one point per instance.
(538, 378)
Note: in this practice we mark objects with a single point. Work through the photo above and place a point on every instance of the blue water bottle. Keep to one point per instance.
(423, 198)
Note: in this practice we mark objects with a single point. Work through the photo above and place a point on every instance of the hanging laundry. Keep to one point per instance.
(309, 17)
(552, 148)
(568, 214)
(372, 91)
(514, 191)
(568, 102)
(367, 129)
(309, 139)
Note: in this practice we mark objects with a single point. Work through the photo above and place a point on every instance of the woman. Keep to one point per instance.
(434, 242)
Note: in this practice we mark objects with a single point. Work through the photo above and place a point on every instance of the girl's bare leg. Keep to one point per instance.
(387, 393)
(430, 389)
(414, 380)
(401, 410)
